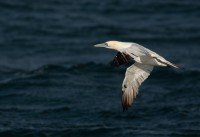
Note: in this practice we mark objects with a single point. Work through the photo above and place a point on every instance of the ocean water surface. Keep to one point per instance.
(54, 83)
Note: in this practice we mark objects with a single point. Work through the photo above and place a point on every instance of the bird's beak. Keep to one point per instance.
(101, 45)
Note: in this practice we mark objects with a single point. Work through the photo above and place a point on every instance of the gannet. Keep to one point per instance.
(145, 60)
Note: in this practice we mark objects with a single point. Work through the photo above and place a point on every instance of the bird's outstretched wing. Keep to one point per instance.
(134, 77)
(120, 58)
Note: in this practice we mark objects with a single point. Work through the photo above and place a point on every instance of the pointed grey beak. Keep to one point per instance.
(101, 45)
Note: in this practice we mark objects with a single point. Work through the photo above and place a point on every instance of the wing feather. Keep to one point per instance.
(134, 77)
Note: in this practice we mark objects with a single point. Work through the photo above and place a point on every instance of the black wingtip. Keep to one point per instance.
(119, 59)
(125, 109)
(114, 64)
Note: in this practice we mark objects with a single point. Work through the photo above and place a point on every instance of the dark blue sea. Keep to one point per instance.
(54, 83)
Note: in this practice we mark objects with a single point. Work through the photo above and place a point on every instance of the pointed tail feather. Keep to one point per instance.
(172, 65)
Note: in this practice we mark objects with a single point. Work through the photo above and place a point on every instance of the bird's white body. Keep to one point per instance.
(145, 61)
(139, 53)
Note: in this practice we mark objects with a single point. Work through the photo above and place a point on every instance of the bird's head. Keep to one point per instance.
(116, 45)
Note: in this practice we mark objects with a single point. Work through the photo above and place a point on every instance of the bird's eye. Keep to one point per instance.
(106, 44)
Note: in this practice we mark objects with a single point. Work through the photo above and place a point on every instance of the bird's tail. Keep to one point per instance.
(171, 65)
(165, 62)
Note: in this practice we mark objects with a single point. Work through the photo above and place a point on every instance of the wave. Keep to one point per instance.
(41, 110)
(101, 131)
(88, 68)
(9, 75)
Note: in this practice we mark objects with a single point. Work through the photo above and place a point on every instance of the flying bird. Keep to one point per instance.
(145, 60)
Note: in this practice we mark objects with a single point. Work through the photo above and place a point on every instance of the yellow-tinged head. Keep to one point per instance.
(113, 44)
(116, 45)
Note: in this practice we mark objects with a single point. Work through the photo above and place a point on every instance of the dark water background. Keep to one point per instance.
(53, 83)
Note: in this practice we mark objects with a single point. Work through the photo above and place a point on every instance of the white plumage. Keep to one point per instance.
(145, 60)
